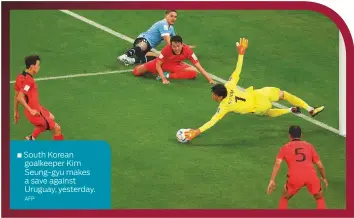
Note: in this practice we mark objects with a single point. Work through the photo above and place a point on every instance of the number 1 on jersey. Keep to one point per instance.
(239, 99)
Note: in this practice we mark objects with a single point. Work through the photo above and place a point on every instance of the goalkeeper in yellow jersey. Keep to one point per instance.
(258, 101)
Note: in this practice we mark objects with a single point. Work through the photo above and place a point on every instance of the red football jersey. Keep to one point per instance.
(167, 55)
(300, 157)
(26, 84)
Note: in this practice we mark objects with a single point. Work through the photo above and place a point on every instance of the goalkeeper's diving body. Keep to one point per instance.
(250, 101)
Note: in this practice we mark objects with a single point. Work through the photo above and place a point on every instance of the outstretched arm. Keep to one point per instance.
(195, 61)
(218, 116)
(205, 74)
(241, 47)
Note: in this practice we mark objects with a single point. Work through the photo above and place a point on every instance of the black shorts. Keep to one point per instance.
(141, 39)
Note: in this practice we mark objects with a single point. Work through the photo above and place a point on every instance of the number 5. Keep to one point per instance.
(303, 156)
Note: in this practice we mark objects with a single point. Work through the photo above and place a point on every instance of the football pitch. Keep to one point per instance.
(228, 166)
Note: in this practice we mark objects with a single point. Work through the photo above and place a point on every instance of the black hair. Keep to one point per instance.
(219, 90)
(31, 60)
(295, 131)
(169, 11)
(176, 38)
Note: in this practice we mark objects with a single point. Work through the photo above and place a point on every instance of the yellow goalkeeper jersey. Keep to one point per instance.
(237, 101)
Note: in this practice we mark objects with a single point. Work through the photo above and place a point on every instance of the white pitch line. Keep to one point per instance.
(80, 75)
(126, 38)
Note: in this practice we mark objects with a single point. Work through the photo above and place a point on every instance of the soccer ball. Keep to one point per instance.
(181, 137)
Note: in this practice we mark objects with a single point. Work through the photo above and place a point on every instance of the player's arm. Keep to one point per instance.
(166, 38)
(235, 76)
(276, 167)
(316, 160)
(164, 32)
(21, 98)
(322, 171)
(204, 73)
(159, 61)
(217, 116)
(194, 59)
(16, 103)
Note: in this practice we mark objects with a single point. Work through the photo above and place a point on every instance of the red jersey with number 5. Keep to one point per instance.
(300, 157)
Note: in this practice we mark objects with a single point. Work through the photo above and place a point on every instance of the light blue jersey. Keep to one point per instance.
(156, 32)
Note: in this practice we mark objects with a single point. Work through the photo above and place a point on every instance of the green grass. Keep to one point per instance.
(228, 166)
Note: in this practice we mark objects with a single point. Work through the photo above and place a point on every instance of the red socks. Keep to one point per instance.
(283, 204)
(321, 204)
(37, 131)
(58, 137)
(184, 75)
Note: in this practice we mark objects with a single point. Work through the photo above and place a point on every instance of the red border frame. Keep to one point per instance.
(7, 6)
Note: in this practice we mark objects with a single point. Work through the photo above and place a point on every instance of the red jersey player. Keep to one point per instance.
(300, 157)
(170, 60)
(26, 93)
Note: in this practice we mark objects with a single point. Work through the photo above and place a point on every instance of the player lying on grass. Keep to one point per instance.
(171, 60)
(258, 102)
(160, 31)
(300, 157)
(26, 93)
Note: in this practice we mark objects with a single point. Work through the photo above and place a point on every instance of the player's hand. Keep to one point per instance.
(271, 187)
(192, 46)
(191, 134)
(16, 116)
(212, 82)
(34, 112)
(165, 81)
(242, 46)
(325, 182)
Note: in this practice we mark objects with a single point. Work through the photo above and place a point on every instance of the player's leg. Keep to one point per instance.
(140, 45)
(320, 200)
(145, 68)
(284, 199)
(52, 125)
(145, 55)
(181, 71)
(291, 187)
(47, 113)
(279, 112)
(36, 132)
(298, 102)
(39, 129)
(38, 123)
(263, 107)
(56, 132)
(274, 94)
(315, 189)
(144, 58)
